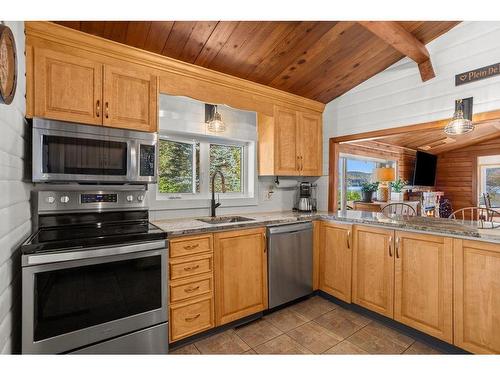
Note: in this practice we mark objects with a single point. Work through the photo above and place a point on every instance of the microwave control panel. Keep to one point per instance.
(147, 160)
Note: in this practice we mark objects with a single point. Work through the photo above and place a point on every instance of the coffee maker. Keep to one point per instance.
(306, 201)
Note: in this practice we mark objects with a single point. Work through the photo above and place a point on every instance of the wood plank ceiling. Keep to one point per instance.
(319, 60)
(435, 141)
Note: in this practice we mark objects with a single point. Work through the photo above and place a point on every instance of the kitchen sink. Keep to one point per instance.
(225, 219)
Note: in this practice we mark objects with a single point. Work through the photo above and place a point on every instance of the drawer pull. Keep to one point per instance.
(191, 290)
(190, 268)
(191, 247)
(190, 319)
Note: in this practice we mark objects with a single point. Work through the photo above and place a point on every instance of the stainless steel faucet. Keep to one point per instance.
(214, 205)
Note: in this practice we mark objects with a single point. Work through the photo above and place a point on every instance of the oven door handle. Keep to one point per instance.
(96, 252)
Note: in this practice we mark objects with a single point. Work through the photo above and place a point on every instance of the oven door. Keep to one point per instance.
(74, 299)
(69, 156)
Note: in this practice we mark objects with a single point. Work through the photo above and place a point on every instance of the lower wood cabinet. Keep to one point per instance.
(405, 276)
(191, 317)
(373, 269)
(191, 289)
(336, 260)
(240, 262)
(423, 283)
(477, 296)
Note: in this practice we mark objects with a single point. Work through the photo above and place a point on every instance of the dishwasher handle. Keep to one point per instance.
(289, 228)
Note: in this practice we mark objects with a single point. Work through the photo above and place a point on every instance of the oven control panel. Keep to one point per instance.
(98, 198)
(54, 201)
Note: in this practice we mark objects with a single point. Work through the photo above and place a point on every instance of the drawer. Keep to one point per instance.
(190, 245)
(188, 288)
(191, 266)
(190, 318)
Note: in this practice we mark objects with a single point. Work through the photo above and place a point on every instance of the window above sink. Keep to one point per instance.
(189, 154)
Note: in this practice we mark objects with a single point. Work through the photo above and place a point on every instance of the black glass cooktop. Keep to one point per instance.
(78, 231)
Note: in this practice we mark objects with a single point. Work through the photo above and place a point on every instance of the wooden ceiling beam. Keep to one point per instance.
(403, 41)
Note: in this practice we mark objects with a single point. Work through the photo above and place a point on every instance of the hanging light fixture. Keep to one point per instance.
(461, 123)
(214, 119)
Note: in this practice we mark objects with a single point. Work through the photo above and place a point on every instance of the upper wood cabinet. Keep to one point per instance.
(310, 133)
(336, 260)
(373, 269)
(290, 143)
(67, 87)
(240, 262)
(72, 88)
(286, 145)
(477, 296)
(130, 99)
(423, 283)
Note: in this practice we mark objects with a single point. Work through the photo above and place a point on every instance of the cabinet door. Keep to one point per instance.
(286, 146)
(310, 134)
(423, 290)
(477, 296)
(373, 269)
(130, 99)
(67, 88)
(336, 260)
(240, 274)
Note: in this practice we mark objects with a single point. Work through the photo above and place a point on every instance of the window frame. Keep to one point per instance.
(483, 163)
(248, 196)
(342, 173)
(191, 142)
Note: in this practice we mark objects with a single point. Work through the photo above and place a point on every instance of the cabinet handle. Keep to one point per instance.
(191, 290)
(348, 239)
(390, 246)
(397, 247)
(191, 268)
(98, 108)
(298, 163)
(190, 319)
(301, 163)
(191, 247)
(265, 242)
(107, 110)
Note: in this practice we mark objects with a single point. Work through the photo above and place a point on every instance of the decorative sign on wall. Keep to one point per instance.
(477, 74)
(8, 65)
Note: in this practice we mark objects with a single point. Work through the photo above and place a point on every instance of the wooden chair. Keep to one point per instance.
(476, 216)
(398, 209)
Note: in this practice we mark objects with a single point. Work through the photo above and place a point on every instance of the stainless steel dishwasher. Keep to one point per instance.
(289, 262)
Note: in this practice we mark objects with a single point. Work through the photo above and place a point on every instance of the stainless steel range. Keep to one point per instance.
(94, 275)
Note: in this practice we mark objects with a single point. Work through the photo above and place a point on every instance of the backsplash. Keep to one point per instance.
(280, 200)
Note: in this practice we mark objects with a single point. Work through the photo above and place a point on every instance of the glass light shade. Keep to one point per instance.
(459, 125)
(385, 174)
(216, 124)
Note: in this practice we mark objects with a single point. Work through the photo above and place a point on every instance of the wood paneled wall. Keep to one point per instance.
(457, 172)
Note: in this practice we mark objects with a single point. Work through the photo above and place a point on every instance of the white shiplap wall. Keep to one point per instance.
(398, 97)
(15, 223)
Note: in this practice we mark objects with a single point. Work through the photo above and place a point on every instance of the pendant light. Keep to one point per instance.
(214, 123)
(460, 124)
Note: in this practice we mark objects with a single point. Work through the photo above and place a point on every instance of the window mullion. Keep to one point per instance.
(204, 168)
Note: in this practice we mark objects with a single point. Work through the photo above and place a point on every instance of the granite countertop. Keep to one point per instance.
(417, 223)
(177, 227)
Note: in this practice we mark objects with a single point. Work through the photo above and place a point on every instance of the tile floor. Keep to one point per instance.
(313, 326)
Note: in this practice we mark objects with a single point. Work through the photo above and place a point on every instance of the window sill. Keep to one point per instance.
(159, 203)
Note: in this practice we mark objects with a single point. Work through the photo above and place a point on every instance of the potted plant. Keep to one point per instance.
(367, 190)
(397, 189)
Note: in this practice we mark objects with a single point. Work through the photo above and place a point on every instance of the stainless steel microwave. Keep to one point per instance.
(69, 152)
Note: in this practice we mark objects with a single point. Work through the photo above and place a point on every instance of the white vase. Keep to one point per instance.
(397, 197)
